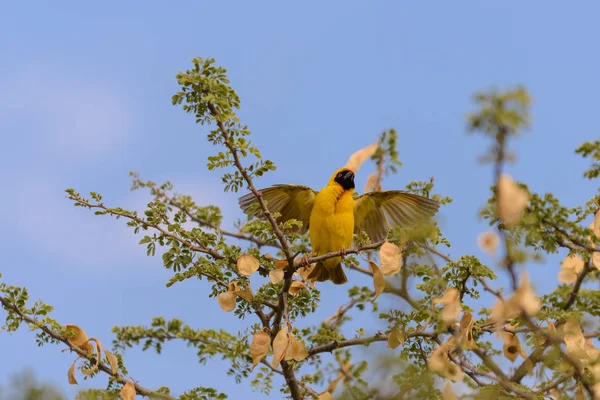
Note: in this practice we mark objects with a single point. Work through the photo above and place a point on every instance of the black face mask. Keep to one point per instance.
(345, 179)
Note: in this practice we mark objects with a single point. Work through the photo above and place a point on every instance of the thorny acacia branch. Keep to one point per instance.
(510, 263)
(380, 337)
(161, 194)
(200, 249)
(537, 355)
(336, 319)
(102, 367)
(288, 371)
(190, 339)
(236, 160)
(470, 370)
(273, 319)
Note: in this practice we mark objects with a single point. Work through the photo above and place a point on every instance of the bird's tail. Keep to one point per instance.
(321, 273)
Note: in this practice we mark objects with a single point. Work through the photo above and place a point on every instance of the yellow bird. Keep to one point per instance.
(333, 215)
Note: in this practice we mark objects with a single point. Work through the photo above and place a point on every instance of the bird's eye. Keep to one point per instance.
(339, 175)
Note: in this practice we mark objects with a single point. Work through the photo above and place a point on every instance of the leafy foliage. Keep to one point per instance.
(430, 289)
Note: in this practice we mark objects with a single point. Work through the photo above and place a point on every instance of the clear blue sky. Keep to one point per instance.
(85, 97)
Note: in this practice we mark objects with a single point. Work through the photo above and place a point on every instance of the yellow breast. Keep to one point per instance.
(332, 222)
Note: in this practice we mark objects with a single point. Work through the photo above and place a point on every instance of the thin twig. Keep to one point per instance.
(537, 354)
(238, 164)
(237, 235)
(56, 336)
(288, 371)
(555, 384)
(379, 337)
(336, 319)
(322, 257)
(200, 249)
(554, 340)
(436, 252)
(575, 290)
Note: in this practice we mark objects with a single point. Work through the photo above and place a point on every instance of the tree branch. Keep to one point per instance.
(537, 355)
(106, 369)
(555, 384)
(379, 337)
(322, 257)
(336, 319)
(554, 340)
(436, 252)
(193, 339)
(389, 288)
(238, 164)
(575, 290)
(237, 235)
(205, 250)
(288, 371)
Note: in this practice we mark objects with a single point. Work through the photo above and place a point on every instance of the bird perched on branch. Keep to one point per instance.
(332, 216)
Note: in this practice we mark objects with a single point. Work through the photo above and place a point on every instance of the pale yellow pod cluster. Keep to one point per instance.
(511, 201)
(128, 391)
(296, 287)
(523, 300)
(439, 361)
(359, 157)
(466, 332)
(276, 275)
(247, 264)
(574, 340)
(378, 279)
(285, 347)
(582, 350)
(488, 242)
(452, 307)
(570, 268)
(395, 338)
(259, 347)
(372, 183)
(280, 346)
(80, 340)
(390, 257)
(304, 272)
(227, 299)
(512, 347)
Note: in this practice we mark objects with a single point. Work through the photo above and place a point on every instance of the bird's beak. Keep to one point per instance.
(348, 180)
(345, 179)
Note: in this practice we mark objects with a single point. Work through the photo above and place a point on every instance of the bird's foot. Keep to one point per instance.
(304, 261)
(343, 252)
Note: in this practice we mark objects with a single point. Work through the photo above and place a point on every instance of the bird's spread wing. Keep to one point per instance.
(291, 201)
(377, 212)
